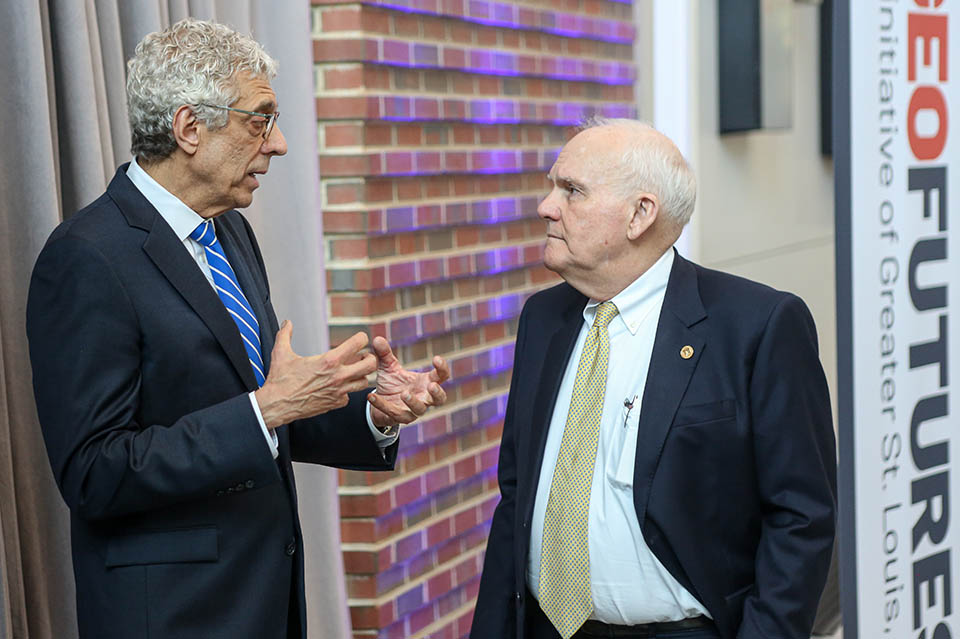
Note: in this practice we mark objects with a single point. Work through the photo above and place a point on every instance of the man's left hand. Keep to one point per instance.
(402, 396)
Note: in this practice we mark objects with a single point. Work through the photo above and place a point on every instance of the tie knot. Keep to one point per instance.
(204, 233)
(605, 313)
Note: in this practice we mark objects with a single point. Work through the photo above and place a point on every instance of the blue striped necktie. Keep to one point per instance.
(225, 281)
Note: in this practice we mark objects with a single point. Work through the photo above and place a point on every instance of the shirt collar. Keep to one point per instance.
(635, 302)
(181, 218)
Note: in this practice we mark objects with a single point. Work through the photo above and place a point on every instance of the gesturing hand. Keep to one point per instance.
(299, 387)
(402, 396)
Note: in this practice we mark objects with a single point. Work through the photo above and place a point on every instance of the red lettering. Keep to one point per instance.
(927, 148)
(926, 27)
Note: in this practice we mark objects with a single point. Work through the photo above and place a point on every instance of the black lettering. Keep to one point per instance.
(926, 571)
(935, 352)
(931, 297)
(930, 455)
(927, 489)
(927, 179)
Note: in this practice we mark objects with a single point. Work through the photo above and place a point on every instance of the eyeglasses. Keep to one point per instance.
(267, 123)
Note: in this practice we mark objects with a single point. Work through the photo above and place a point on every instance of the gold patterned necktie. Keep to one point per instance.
(565, 558)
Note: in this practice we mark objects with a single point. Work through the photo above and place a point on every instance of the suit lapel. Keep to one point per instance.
(668, 375)
(560, 345)
(175, 263)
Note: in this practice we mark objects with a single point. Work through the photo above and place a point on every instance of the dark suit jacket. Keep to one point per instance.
(182, 523)
(735, 473)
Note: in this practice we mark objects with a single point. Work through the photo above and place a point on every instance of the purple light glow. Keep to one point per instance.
(501, 20)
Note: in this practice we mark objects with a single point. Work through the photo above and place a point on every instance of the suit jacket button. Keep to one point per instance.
(239, 488)
(291, 548)
(249, 483)
(230, 490)
(518, 596)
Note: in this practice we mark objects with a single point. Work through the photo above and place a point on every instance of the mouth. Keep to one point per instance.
(253, 176)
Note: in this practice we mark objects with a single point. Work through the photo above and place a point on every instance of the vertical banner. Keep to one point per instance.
(898, 276)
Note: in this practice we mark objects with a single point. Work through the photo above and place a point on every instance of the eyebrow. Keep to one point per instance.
(563, 179)
(267, 106)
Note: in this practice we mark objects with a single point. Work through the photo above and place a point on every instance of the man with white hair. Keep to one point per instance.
(170, 400)
(667, 467)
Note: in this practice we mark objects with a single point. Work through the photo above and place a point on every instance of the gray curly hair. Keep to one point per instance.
(192, 62)
(658, 168)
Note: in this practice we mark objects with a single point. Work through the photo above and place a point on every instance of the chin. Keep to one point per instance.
(551, 260)
(243, 201)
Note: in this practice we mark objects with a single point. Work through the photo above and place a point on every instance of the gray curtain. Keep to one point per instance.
(65, 130)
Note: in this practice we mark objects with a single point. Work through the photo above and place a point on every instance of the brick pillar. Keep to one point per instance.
(438, 120)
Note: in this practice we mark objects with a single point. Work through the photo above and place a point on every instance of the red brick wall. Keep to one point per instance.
(437, 121)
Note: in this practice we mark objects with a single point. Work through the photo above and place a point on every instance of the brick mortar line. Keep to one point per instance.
(419, 581)
(486, 346)
(412, 257)
(539, 8)
(364, 491)
(367, 92)
(444, 620)
(445, 306)
(373, 35)
(422, 526)
(498, 146)
(367, 207)
(316, 36)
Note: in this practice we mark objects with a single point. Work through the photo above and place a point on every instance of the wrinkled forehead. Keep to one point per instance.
(592, 155)
(255, 90)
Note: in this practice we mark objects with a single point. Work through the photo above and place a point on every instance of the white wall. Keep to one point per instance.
(765, 198)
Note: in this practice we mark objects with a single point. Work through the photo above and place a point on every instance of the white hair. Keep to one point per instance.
(658, 168)
(192, 62)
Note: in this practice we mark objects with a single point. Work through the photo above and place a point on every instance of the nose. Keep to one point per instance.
(548, 209)
(276, 144)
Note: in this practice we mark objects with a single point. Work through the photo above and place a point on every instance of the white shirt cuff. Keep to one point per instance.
(383, 440)
(270, 435)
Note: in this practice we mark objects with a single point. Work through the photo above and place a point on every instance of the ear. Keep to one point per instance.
(186, 129)
(646, 208)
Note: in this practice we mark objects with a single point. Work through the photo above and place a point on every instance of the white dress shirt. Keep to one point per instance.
(628, 583)
(183, 220)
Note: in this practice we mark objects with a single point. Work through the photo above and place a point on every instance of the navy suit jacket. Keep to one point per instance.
(735, 472)
(182, 523)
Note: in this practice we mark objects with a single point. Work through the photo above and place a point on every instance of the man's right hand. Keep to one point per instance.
(299, 387)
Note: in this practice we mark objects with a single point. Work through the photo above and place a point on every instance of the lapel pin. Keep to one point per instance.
(686, 352)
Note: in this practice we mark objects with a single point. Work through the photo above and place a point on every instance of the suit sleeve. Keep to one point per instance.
(495, 612)
(338, 438)
(795, 451)
(84, 339)
(341, 438)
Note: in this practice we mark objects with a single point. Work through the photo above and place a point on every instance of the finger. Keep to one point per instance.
(384, 353)
(281, 346)
(438, 395)
(416, 406)
(366, 365)
(350, 346)
(356, 385)
(441, 370)
(398, 416)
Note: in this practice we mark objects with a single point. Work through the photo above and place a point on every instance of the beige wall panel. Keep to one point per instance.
(762, 190)
(807, 270)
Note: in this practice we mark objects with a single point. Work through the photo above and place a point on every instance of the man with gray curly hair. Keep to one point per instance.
(667, 464)
(170, 399)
